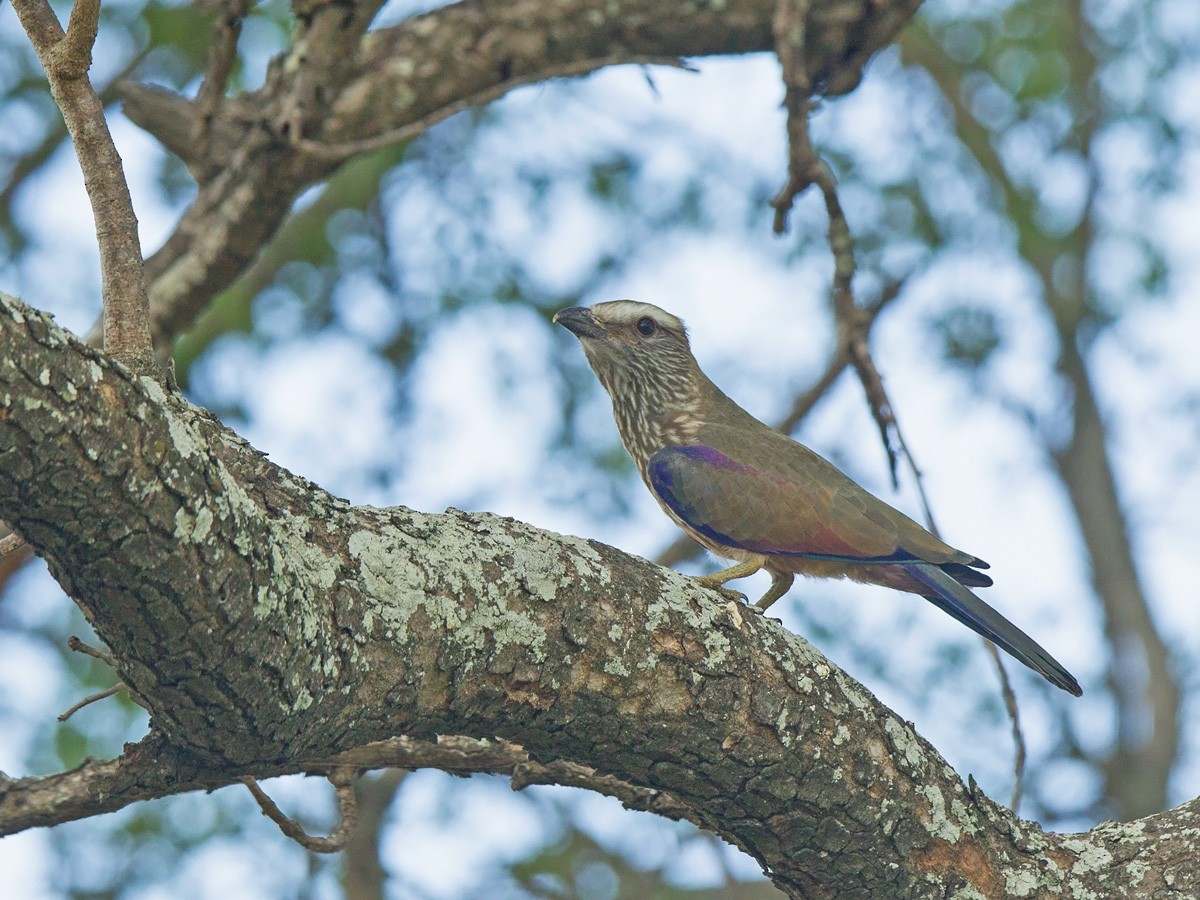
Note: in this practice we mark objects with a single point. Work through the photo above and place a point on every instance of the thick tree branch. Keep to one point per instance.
(268, 625)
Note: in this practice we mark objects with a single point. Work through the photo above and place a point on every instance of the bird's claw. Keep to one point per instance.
(731, 594)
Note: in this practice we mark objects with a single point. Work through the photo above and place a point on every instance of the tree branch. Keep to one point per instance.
(404, 77)
(66, 59)
(342, 778)
(245, 605)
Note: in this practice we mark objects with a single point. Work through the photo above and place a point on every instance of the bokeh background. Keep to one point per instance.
(1023, 177)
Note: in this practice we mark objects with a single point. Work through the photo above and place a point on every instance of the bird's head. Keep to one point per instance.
(631, 345)
(641, 355)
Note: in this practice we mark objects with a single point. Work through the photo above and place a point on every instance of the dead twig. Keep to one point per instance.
(89, 699)
(1014, 718)
(88, 650)
(342, 778)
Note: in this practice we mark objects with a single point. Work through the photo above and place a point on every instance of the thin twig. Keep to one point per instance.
(806, 167)
(66, 58)
(479, 98)
(107, 658)
(342, 778)
(91, 698)
(790, 29)
(88, 650)
(918, 478)
(1014, 718)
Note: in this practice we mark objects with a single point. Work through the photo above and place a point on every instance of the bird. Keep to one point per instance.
(750, 494)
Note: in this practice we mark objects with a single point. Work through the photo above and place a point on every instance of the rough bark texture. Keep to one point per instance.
(270, 626)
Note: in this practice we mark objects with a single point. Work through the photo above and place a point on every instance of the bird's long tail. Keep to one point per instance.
(950, 596)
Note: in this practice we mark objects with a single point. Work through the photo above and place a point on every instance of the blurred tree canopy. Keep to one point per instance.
(358, 221)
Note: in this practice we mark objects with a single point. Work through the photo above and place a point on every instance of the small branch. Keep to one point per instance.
(342, 778)
(480, 98)
(575, 775)
(222, 53)
(66, 58)
(88, 650)
(1014, 716)
(790, 29)
(72, 56)
(91, 698)
(460, 755)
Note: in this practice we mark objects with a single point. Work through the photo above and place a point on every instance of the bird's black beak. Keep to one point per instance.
(579, 321)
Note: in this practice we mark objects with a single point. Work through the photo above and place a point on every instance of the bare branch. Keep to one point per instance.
(88, 650)
(66, 59)
(222, 53)
(411, 130)
(342, 779)
(89, 699)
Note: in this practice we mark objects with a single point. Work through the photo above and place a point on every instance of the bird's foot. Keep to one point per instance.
(717, 580)
(714, 584)
(731, 594)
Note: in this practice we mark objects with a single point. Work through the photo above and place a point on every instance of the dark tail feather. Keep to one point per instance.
(950, 596)
(966, 575)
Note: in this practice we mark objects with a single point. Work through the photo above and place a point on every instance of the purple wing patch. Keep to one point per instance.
(702, 485)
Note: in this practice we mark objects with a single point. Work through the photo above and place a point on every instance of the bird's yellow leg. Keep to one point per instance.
(780, 583)
(718, 579)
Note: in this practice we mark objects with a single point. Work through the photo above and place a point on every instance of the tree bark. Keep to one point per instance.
(269, 626)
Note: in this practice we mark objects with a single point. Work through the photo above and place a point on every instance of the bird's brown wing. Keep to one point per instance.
(780, 498)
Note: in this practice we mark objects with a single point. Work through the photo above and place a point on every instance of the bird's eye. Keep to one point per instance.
(647, 326)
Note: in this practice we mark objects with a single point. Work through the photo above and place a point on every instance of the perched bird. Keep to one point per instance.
(751, 494)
